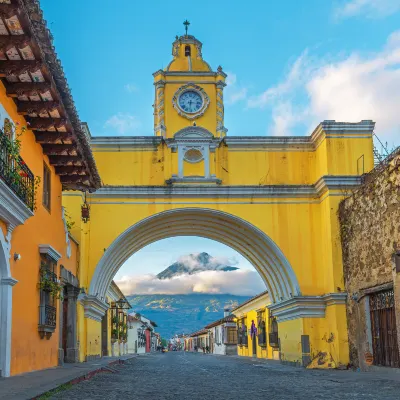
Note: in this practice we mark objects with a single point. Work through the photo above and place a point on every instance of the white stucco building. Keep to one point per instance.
(223, 335)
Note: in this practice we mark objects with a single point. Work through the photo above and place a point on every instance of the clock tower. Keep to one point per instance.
(188, 92)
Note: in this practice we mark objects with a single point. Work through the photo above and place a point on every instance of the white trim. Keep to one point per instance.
(264, 254)
(13, 211)
(324, 184)
(305, 306)
(48, 250)
(94, 307)
(7, 283)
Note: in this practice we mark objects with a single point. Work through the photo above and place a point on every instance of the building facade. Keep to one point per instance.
(43, 151)
(254, 328)
(370, 234)
(142, 337)
(278, 195)
(115, 330)
(223, 335)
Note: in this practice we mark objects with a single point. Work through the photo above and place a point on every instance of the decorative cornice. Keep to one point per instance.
(48, 250)
(94, 307)
(305, 306)
(252, 191)
(13, 211)
(126, 143)
(8, 281)
(194, 179)
(326, 129)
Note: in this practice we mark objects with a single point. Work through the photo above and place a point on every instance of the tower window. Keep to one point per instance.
(187, 51)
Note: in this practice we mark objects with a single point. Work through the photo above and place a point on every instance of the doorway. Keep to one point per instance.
(104, 336)
(383, 327)
(254, 344)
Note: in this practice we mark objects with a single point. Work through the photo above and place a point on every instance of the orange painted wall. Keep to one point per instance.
(28, 351)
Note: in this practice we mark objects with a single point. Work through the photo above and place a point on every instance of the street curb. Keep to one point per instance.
(86, 376)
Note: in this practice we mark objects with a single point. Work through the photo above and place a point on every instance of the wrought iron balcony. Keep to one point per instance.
(16, 174)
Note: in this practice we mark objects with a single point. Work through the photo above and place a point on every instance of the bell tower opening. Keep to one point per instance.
(187, 51)
(188, 90)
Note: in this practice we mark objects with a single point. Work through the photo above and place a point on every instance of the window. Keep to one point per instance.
(273, 335)
(262, 333)
(48, 293)
(187, 51)
(231, 336)
(242, 332)
(46, 187)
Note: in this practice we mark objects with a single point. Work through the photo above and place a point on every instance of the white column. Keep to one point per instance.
(6, 322)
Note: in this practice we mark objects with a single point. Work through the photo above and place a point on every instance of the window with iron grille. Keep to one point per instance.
(48, 294)
(46, 187)
(261, 329)
(242, 332)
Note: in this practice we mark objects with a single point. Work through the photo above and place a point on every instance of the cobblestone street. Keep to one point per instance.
(197, 376)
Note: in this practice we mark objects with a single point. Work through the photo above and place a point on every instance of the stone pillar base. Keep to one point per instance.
(72, 356)
(60, 356)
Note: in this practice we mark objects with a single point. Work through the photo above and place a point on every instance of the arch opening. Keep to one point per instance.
(253, 244)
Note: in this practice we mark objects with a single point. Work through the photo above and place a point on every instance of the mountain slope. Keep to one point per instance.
(185, 313)
(193, 264)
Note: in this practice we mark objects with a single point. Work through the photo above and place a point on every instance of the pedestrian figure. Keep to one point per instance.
(204, 350)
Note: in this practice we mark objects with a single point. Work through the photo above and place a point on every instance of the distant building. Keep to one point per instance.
(142, 337)
(255, 327)
(114, 323)
(223, 335)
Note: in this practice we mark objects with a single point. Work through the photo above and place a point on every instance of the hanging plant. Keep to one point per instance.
(114, 320)
(114, 334)
(48, 284)
(17, 174)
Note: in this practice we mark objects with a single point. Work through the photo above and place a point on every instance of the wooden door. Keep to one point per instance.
(104, 335)
(383, 326)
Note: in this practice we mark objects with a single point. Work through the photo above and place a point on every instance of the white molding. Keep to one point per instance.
(94, 307)
(246, 191)
(305, 306)
(13, 211)
(9, 281)
(325, 130)
(48, 250)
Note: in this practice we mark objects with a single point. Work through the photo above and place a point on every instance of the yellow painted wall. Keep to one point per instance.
(305, 229)
(28, 351)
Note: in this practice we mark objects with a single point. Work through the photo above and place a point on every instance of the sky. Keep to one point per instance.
(291, 64)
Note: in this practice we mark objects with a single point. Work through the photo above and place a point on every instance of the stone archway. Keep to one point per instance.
(6, 284)
(245, 238)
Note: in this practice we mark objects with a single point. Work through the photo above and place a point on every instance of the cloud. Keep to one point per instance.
(348, 89)
(191, 261)
(234, 92)
(131, 88)
(238, 282)
(123, 123)
(367, 8)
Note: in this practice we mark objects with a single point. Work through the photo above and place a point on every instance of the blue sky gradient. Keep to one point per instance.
(291, 64)
(109, 51)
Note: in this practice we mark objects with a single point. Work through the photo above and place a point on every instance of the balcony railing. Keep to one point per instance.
(15, 173)
(47, 316)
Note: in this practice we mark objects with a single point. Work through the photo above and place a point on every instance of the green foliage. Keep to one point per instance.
(68, 220)
(48, 284)
(114, 333)
(16, 174)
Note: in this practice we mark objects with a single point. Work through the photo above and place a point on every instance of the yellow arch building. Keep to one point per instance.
(273, 199)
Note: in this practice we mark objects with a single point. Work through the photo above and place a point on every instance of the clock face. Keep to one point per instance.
(190, 101)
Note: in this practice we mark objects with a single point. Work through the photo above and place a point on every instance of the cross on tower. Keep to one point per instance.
(186, 23)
